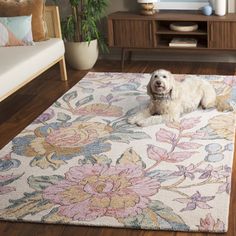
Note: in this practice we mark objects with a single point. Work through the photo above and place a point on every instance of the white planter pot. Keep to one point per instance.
(220, 7)
(81, 55)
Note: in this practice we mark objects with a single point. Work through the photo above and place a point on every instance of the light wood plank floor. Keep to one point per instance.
(19, 110)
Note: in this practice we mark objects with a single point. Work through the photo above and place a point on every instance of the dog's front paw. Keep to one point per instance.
(142, 123)
(132, 120)
(171, 118)
(152, 120)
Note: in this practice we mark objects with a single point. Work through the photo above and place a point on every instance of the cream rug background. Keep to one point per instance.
(80, 162)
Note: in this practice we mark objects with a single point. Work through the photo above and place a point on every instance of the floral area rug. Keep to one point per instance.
(80, 162)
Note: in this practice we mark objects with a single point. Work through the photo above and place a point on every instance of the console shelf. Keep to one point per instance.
(163, 31)
(131, 31)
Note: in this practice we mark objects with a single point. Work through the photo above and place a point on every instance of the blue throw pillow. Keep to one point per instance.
(16, 31)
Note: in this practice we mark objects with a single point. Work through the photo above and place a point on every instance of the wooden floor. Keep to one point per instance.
(19, 110)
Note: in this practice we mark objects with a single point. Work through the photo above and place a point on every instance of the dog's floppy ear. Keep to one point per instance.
(174, 92)
(149, 89)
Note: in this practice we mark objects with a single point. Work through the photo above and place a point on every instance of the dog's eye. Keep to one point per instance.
(164, 76)
(155, 76)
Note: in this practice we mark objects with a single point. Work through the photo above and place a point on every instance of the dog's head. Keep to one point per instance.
(161, 84)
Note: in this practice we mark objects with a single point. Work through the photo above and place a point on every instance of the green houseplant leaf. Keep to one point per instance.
(82, 24)
(156, 216)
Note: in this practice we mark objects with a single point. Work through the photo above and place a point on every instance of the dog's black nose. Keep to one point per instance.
(158, 83)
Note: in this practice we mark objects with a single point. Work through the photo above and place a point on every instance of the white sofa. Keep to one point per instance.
(19, 65)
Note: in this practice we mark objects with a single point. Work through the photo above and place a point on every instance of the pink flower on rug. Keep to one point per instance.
(230, 80)
(77, 135)
(189, 123)
(184, 124)
(159, 154)
(92, 191)
(209, 224)
(100, 110)
(166, 136)
(6, 180)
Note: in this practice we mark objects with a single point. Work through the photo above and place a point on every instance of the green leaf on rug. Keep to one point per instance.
(133, 94)
(167, 216)
(102, 159)
(138, 135)
(156, 216)
(118, 139)
(39, 183)
(87, 160)
(147, 220)
(131, 157)
(120, 124)
(57, 104)
(161, 175)
(84, 101)
(70, 96)
(83, 118)
(7, 179)
(30, 204)
(47, 161)
(63, 117)
(126, 136)
(54, 217)
(133, 111)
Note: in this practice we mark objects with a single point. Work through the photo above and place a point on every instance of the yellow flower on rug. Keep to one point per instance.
(223, 125)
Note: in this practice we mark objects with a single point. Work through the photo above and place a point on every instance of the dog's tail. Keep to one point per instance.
(222, 103)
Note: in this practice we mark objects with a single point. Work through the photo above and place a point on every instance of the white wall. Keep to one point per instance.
(132, 5)
(181, 4)
(114, 5)
(231, 6)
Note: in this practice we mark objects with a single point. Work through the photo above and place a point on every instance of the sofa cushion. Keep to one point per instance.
(16, 31)
(27, 8)
(22, 63)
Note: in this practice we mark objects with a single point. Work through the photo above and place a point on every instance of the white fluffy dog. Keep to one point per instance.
(171, 98)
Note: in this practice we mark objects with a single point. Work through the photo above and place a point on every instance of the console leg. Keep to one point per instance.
(130, 56)
(123, 52)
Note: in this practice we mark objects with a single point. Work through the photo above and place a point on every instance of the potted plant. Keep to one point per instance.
(81, 34)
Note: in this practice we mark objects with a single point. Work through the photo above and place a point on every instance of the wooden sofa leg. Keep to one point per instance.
(63, 71)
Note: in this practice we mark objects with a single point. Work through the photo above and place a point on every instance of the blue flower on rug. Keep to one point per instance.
(7, 163)
(51, 145)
